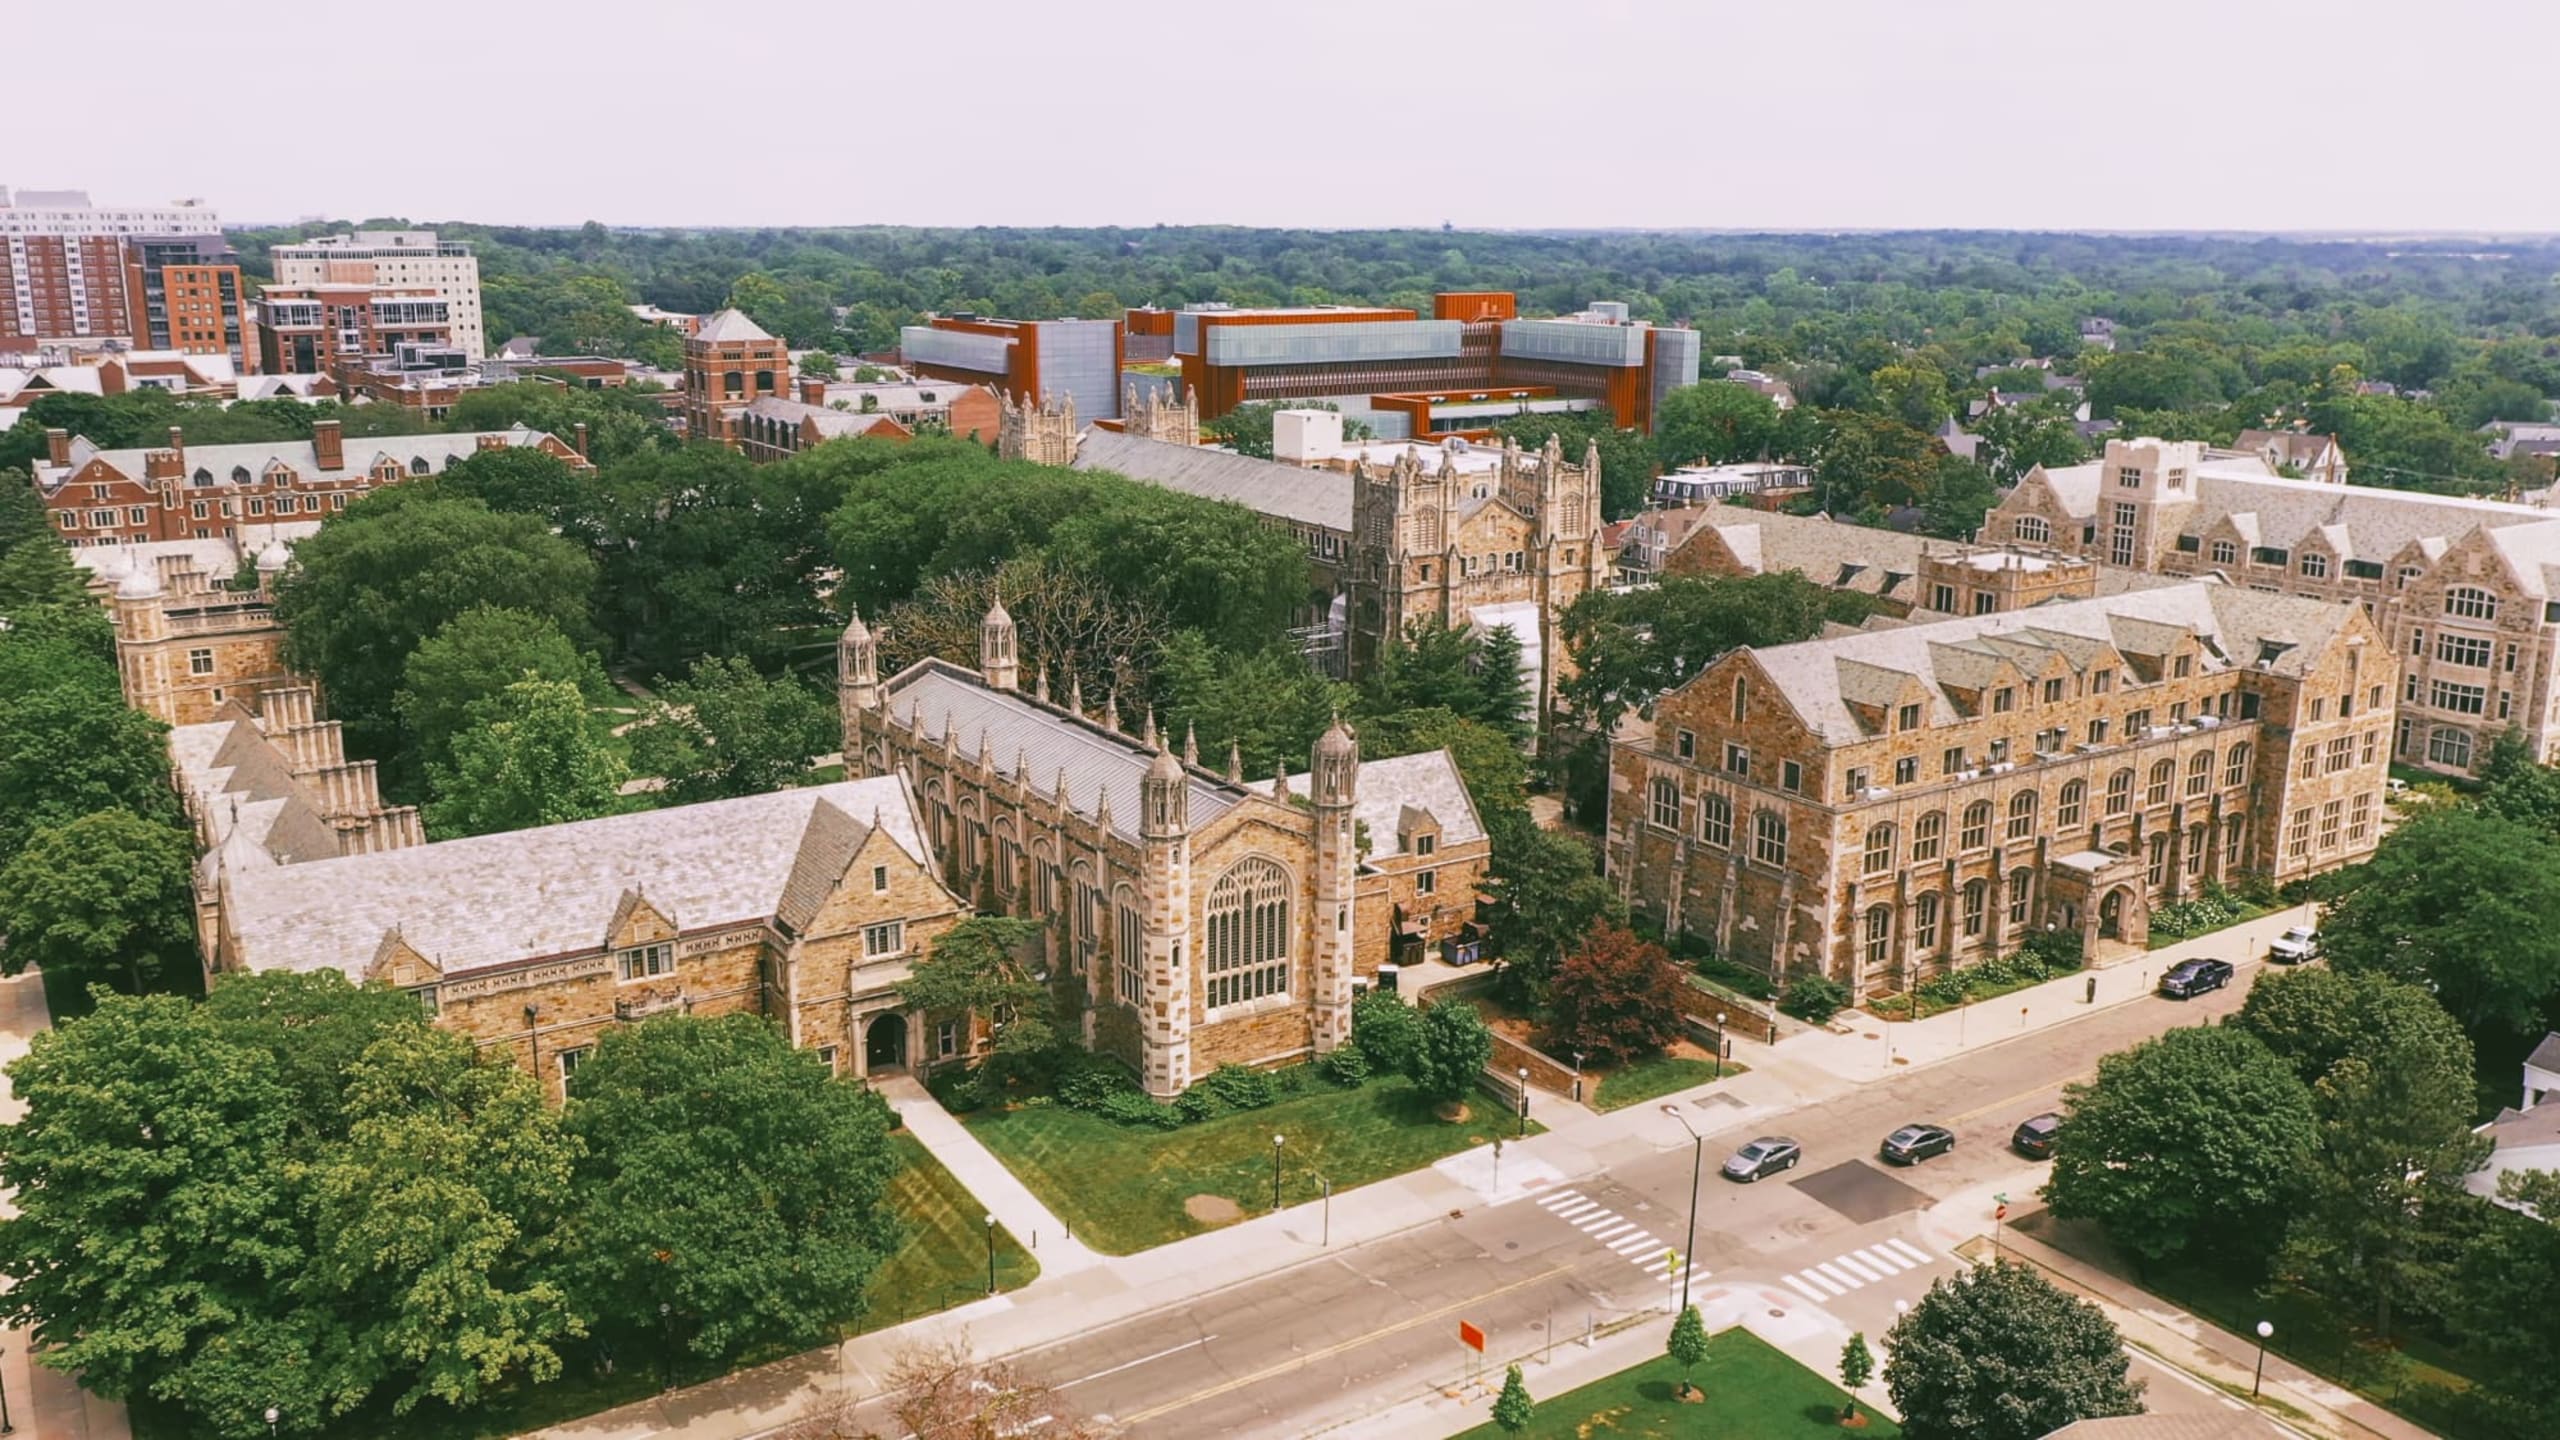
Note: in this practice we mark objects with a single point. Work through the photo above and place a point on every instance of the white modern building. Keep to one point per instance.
(395, 259)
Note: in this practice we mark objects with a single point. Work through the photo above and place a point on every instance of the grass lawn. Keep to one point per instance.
(1754, 1392)
(943, 1263)
(2410, 1376)
(1653, 1078)
(1123, 1188)
(822, 775)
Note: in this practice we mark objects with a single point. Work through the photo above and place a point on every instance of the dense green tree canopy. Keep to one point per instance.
(726, 731)
(2462, 901)
(105, 899)
(472, 657)
(532, 754)
(391, 570)
(1998, 1353)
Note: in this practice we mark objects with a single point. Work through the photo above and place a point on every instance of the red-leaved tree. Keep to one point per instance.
(1616, 998)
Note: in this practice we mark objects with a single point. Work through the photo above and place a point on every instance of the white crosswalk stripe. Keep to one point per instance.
(1620, 1236)
(1856, 1269)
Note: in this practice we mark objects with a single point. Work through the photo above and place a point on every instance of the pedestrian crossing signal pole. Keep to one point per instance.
(1999, 1213)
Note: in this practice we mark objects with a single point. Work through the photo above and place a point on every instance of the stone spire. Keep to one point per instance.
(1190, 744)
(1111, 711)
(997, 659)
(1235, 763)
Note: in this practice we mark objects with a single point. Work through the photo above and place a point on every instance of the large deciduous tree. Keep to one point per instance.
(2197, 1137)
(470, 659)
(727, 731)
(2000, 1354)
(2461, 901)
(1714, 422)
(532, 755)
(392, 570)
(1614, 998)
(975, 969)
(105, 899)
(728, 1177)
(1451, 1047)
(1547, 893)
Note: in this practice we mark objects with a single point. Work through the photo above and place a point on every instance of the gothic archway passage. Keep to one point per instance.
(2111, 915)
(884, 1043)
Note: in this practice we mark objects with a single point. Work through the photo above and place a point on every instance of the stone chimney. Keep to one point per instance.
(178, 443)
(328, 450)
(813, 390)
(57, 446)
(578, 437)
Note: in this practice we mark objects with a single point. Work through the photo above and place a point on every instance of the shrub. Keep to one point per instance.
(1383, 1026)
(1089, 1083)
(1128, 1107)
(1617, 996)
(957, 1090)
(1197, 1104)
(2060, 951)
(1813, 997)
(1346, 1067)
(1734, 975)
(1238, 1087)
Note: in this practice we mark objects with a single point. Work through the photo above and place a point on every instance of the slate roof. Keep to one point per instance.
(1321, 498)
(2546, 1056)
(1820, 678)
(832, 423)
(730, 326)
(491, 900)
(1387, 788)
(1046, 740)
(2369, 523)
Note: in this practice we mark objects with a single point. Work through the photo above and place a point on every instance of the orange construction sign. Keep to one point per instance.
(1471, 1337)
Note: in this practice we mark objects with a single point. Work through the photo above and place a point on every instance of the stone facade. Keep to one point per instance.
(187, 642)
(1204, 920)
(1888, 803)
(2464, 591)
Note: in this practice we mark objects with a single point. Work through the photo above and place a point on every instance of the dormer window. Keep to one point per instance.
(1425, 845)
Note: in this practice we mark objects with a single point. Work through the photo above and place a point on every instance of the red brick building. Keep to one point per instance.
(729, 364)
(172, 492)
(321, 329)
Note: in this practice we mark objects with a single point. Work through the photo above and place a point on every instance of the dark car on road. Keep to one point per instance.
(2034, 1137)
(2190, 978)
(1914, 1143)
(1765, 1156)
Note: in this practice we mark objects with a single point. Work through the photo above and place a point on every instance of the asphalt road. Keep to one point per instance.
(1346, 1335)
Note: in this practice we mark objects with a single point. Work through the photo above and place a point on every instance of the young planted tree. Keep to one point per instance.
(1512, 1409)
(1688, 1348)
(2000, 1354)
(1451, 1047)
(1616, 998)
(1857, 1367)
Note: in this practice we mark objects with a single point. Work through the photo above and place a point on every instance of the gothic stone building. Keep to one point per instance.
(807, 906)
(187, 640)
(1890, 802)
(1458, 535)
(1204, 920)
(2466, 592)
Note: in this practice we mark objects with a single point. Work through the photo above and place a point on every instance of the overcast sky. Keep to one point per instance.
(1777, 114)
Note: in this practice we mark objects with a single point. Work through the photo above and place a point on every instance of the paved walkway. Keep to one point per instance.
(1090, 1291)
(43, 1403)
(1006, 1198)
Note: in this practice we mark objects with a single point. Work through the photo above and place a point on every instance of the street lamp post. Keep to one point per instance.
(991, 1254)
(1697, 1166)
(1719, 1044)
(273, 1415)
(2266, 1332)
(6, 1428)
(1524, 1102)
(1577, 1076)
(1276, 1142)
(1327, 1187)
(666, 1345)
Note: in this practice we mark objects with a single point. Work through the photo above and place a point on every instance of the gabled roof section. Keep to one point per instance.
(827, 849)
(1320, 498)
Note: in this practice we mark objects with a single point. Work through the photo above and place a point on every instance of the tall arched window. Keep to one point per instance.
(1008, 858)
(2235, 770)
(1928, 835)
(1044, 879)
(2159, 864)
(1570, 518)
(2199, 840)
(1974, 896)
(1715, 821)
(2119, 792)
(2199, 772)
(1769, 837)
(1879, 935)
(1088, 917)
(1976, 832)
(1924, 923)
(1130, 948)
(2021, 881)
(1248, 933)
(2022, 815)
(2163, 775)
(2234, 830)
(2073, 804)
(1879, 849)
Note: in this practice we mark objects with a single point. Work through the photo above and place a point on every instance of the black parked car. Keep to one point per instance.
(1914, 1143)
(2190, 978)
(1765, 1156)
(2034, 1137)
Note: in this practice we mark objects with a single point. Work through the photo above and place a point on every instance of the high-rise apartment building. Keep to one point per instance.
(184, 292)
(321, 329)
(395, 260)
(67, 274)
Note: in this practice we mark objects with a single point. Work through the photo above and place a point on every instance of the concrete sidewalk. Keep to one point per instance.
(1006, 1198)
(2207, 1351)
(43, 1403)
(1859, 1046)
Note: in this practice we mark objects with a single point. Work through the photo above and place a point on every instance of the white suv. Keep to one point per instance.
(2295, 946)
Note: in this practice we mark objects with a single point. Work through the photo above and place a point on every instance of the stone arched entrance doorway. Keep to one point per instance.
(2111, 915)
(884, 1043)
